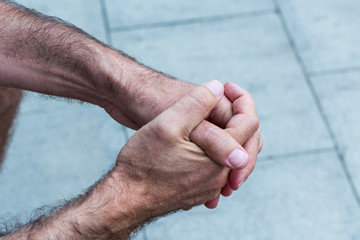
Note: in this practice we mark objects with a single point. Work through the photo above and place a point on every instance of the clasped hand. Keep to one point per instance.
(180, 160)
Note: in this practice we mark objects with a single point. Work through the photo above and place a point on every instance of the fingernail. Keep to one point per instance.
(237, 157)
(215, 86)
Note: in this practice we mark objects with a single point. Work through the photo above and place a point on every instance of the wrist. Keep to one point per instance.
(114, 208)
(141, 92)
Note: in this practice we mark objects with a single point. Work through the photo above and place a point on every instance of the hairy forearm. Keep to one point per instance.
(114, 208)
(106, 211)
(42, 54)
(47, 55)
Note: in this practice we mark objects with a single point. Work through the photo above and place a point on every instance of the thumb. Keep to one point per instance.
(194, 107)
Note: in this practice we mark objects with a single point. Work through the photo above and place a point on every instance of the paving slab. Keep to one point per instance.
(304, 197)
(80, 13)
(135, 12)
(325, 31)
(340, 97)
(55, 156)
(252, 52)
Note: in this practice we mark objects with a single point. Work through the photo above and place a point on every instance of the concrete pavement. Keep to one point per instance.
(299, 59)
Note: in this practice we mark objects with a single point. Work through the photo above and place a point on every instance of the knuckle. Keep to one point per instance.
(254, 123)
(166, 131)
(214, 194)
(213, 136)
(222, 179)
(202, 99)
(251, 166)
(218, 137)
(219, 180)
(247, 173)
(221, 113)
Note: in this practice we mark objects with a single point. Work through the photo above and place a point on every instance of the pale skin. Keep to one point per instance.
(193, 129)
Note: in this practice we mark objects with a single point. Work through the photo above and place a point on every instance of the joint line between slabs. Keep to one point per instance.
(192, 21)
(317, 100)
(298, 154)
(334, 71)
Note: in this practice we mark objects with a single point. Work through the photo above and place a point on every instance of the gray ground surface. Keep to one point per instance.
(300, 60)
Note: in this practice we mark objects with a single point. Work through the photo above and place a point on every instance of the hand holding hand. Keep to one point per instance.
(160, 170)
(244, 127)
(238, 115)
